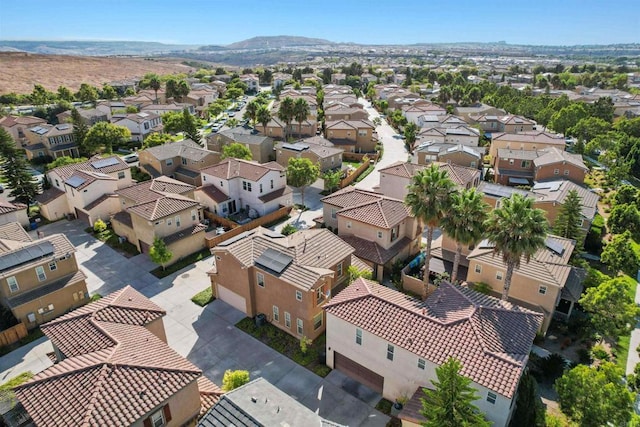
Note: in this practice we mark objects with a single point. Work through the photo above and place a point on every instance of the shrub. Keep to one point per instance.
(234, 379)
(204, 297)
(482, 287)
(553, 366)
(99, 226)
(288, 229)
(304, 344)
(584, 356)
(600, 353)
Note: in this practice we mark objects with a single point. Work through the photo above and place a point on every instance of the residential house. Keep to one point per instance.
(546, 283)
(279, 79)
(413, 112)
(494, 193)
(287, 279)
(39, 279)
(396, 178)
(396, 351)
(344, 98)
(530, 141)
(276, 128)
(514, 167)
(457, 154)
(17, 126)
(165, 208)
(317, 149)
(141, 124)
(109, 108)
(174, 107)
(252, 81)
(261, 146)
(182, 160)
(49, 140)
(200, 99)
(295, 94)
(239, 405)
(462, 134)
(555, 163)
(13, 212)
(90, 116)
(338, 78)
(507, 124)
(478, 110)
(114, 367)
(352, 135)
(257, 189)
(340, 111)
(381, 229)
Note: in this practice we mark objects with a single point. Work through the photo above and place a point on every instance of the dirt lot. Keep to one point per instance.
(20, 71)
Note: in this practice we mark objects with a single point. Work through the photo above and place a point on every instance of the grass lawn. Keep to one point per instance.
(622, 346)
(204, 297)
(184, 262)
(355, 165)
(364, 174)
(289, 346)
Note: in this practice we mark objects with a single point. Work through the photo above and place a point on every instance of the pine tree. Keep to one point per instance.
(450, 404)
(190, 127)
(14, 170)
(80, 130)
(569, 219)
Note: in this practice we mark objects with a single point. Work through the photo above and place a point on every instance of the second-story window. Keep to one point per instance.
(358, 336)
(246, 186)
(53, 266)
(299, 295)
(40, 273)
(184, 161)
(260, 188)
(339, 269)
(498, 275)
(272, 184)
(178, 221)
(169, 162)
(394, 232)
(421, 363)
(390, 351)
(380, 234)
(260, 279)
(121, 175)
(13, 284)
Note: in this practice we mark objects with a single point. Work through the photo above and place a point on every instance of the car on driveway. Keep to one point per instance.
(231, 114)
(131, 158)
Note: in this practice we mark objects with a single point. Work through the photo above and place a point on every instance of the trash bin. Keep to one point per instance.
(34, 225)
(261, 320)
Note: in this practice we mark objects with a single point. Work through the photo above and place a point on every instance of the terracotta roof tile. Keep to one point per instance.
(14, 231)
(491, 338)
(163, 207)
(66, 171)
(236, 168)
(383, 213)
(154, 189)
(49, 195)
(8, 207)
(372, 252)
(214, 193)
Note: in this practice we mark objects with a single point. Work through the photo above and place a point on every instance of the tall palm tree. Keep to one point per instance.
(263, 116)
(251, 112)
(429, 199)
(300, 112)
(517, 230)
(464, 222)
(286, 114)
(154, 83)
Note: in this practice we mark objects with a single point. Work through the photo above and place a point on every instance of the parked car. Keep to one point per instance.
(131, 158)
(232, 114)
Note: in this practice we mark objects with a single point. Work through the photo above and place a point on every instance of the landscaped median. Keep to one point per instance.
(314, 357)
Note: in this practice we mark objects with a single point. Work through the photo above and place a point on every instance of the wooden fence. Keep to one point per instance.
(354, 175)
(238, 229)
(13, 334)
(357, 157)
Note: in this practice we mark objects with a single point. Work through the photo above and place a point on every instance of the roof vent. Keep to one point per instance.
(254, 400)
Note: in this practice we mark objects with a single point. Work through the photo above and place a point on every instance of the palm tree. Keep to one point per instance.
(300, 112)
(263, 116)
(154, 83)
(251, 112)
(429, 198)
(286, 114)
(465, 222)
(517, 230)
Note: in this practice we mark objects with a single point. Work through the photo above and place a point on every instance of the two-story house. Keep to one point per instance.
(13, 212)
(279, 79)
(507, 124)
(114, 367)
(173, 107)
(141, 124)
(316, 148)
(462, 155)
(530, 141)
(381, 229)
(288, 279)
(261, 146)
(85, 190)
(276, 128)
(393, 343)
(182, 160)
(252, 81)
(352, 135)
(17, 126)
(256, 188)
(340, 111)
(520, 167)
(90, 116)
(53, 141)
(39, 279)
(413, 112)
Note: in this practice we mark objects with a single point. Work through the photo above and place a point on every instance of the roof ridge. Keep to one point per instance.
(97, 389)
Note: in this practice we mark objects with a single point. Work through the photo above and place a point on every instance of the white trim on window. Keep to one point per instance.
(358, 336)
(13, 284)
(491, 398)
(542, 290)
(276, 313)
(298, 295)
(260, 279)
(287, 319)
(40, 273)
(299, 326)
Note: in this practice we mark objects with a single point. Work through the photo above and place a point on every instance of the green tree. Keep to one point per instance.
(190, 127)
(234, 379)
(332, 179)
(530, 410)
(80, 130)
(286, 113)
(156, 139)
(450, 404)
(159, 253)
(64, 161)
(627, 194)
(569, 219)
(251, 112)
(233, 93)
(108, 92)
(464, 222)
(264, 117)
(87, 93)
(429, 199)
(40, 96)
(237, 151)
(625, 218)
(517, 230)
(155, 84)
(568, 117)
(354, 272)
(65, 94)
(300, 112)
(613, 310)
(620, 256)
(107, 134)
(602, 109)
(595, 396)
(301, 173)
(14, 170)
(588, 128)
(410, 133)
(173, 122)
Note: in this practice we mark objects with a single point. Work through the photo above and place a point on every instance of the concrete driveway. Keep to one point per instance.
(205, 336)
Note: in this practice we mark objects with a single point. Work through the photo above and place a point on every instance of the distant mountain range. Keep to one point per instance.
(277, 42)
(91, 48)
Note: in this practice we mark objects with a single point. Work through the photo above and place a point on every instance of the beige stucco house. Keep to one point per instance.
(532, 141)
(49, 140)
(351, 135)
(320, 151)
(17, 126)
(261, 146)
(13, 212)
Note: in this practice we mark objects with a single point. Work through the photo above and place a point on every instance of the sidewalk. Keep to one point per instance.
(633, 358)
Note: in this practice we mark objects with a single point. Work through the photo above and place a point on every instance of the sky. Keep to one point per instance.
(200, 22)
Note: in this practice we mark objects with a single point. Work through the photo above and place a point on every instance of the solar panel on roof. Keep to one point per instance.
(296, 147)
(76, 181)
(103, 163)
(64, 126)
(551, 186)
(554, 246)
(274, 260)
(25, 255)
(486, 244)
(39, 130)
(498, 190)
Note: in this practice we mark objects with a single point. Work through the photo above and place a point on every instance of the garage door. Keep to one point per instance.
(358, 372)
(231, 298)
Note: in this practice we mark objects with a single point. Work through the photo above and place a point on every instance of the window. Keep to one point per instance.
(491, 398)
(510, 161)
(221, 184)
(299, 326)
(421, 364)
(319, 295)
(566, 172)
(317, 321)
(169, 162)
(272, 184)
(169, 221)
(13, 284)
(40, 273)
(348, 224)
(177, 221)
(358, 336)
(333, 213)
(53, 266)
(362, 132)
(339, 269)
(287, 319)
(120, 175)
(499, 275)
(193, 215)
(556, 171)
(299, 295)
(260, 279)
(157, 419)
(390, 350)
(31, 317)
(260, 188)
(542, 290)
(478, 268)
(246, 186)
(184, 161)
(394, 232)
(380, 234)
(57, 183)
(525, 164)
(276, 314)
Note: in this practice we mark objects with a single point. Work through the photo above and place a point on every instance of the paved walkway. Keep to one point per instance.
(206, 336)
(633, 358)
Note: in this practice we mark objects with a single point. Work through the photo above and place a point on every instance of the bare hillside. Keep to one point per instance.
(20, 71)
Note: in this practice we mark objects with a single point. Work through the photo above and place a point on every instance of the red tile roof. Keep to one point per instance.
(7, 207)
(236, 168)
(491, 338)
(163, 207)
(383, 213)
